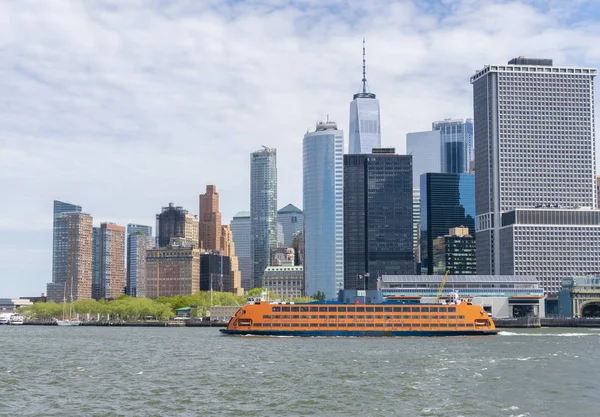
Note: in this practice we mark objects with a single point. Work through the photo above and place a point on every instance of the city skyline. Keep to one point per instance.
(111, 110)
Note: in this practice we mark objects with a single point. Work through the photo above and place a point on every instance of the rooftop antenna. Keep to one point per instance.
(364, 78)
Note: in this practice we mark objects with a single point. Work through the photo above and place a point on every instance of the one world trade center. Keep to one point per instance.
(365, 132)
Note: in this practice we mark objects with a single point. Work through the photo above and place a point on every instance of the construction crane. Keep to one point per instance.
(441, 289)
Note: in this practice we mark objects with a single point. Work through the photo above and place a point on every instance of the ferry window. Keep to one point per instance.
(341, 317)
(276, 324)
(285, 309)
(387, 309)
(416, 317)
(322, 308)
(314, 309)
(276, 316)
(351, 309)
(332, 309)
(433, 317)
(369, 309)
(304, 316)
(369, 317)
(276, 308)
(433, 309)
(322, 317)
(405, 309)
(360, 317)
(351, 325)
(433, 325)
(388, 317)
(452, 317)
(451, 309)
(342, 325)
(460, 317)
(295, 324)
(295, 308)
(425, 325)
(425, 309)
(378, 309)
(397, 309)
(303, 308)
(442, 325)
(266, 316)
(389, 325)
(341, 308)
(257, 324)
(415, 309)
(314, 324)
(443, 309)
(332, 325)
(295, 316)
(405, 324)
(378, 324)
(303, 324)
(469, 325)
(266, 324)
(360, 309)
(451, 324)
(370, 324)
(416, 325)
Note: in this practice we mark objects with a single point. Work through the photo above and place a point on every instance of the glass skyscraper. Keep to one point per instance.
(323, 200)
(240, 229)
(378, 217)
(456, 144)
(59, 238)
(447, 201)
(139, 238)
(263, 210)
(365, 125)
(425, 150)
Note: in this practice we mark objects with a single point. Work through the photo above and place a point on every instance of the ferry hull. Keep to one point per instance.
(358, 333)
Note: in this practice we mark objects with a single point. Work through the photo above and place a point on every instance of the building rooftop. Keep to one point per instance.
(496, 279)
(242, 214)
(290, 208)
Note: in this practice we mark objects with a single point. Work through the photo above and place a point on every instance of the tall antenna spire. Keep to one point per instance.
(364, 79)
(364, 93)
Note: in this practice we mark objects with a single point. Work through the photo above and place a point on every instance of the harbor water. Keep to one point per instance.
(124, 371)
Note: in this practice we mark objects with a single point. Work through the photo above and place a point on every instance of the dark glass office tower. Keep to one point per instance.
(447, 201)
(378, 215)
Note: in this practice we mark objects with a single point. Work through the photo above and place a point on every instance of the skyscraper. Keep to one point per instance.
(234, 283)
(263, 210)
(378, 217)
(365, 125)
(447, 201)
(425, 150)
(175, 222)
(535, 165)
(240, 229)
(172, 270)
(455, 253)
(58, 248)
(456, 144)
(323, 201)
(291, 220)
(73, 267)
(210, 219)
(139, 239)
(108, 259)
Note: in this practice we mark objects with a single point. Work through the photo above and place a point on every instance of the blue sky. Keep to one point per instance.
(122, 107)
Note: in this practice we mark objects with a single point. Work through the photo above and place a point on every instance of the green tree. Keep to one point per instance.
(319, 296)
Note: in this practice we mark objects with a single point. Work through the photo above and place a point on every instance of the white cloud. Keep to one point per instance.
(122, 107)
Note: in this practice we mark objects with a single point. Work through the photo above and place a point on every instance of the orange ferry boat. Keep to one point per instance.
(389, 318)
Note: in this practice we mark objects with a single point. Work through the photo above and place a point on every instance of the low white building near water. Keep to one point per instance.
(504, 296)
